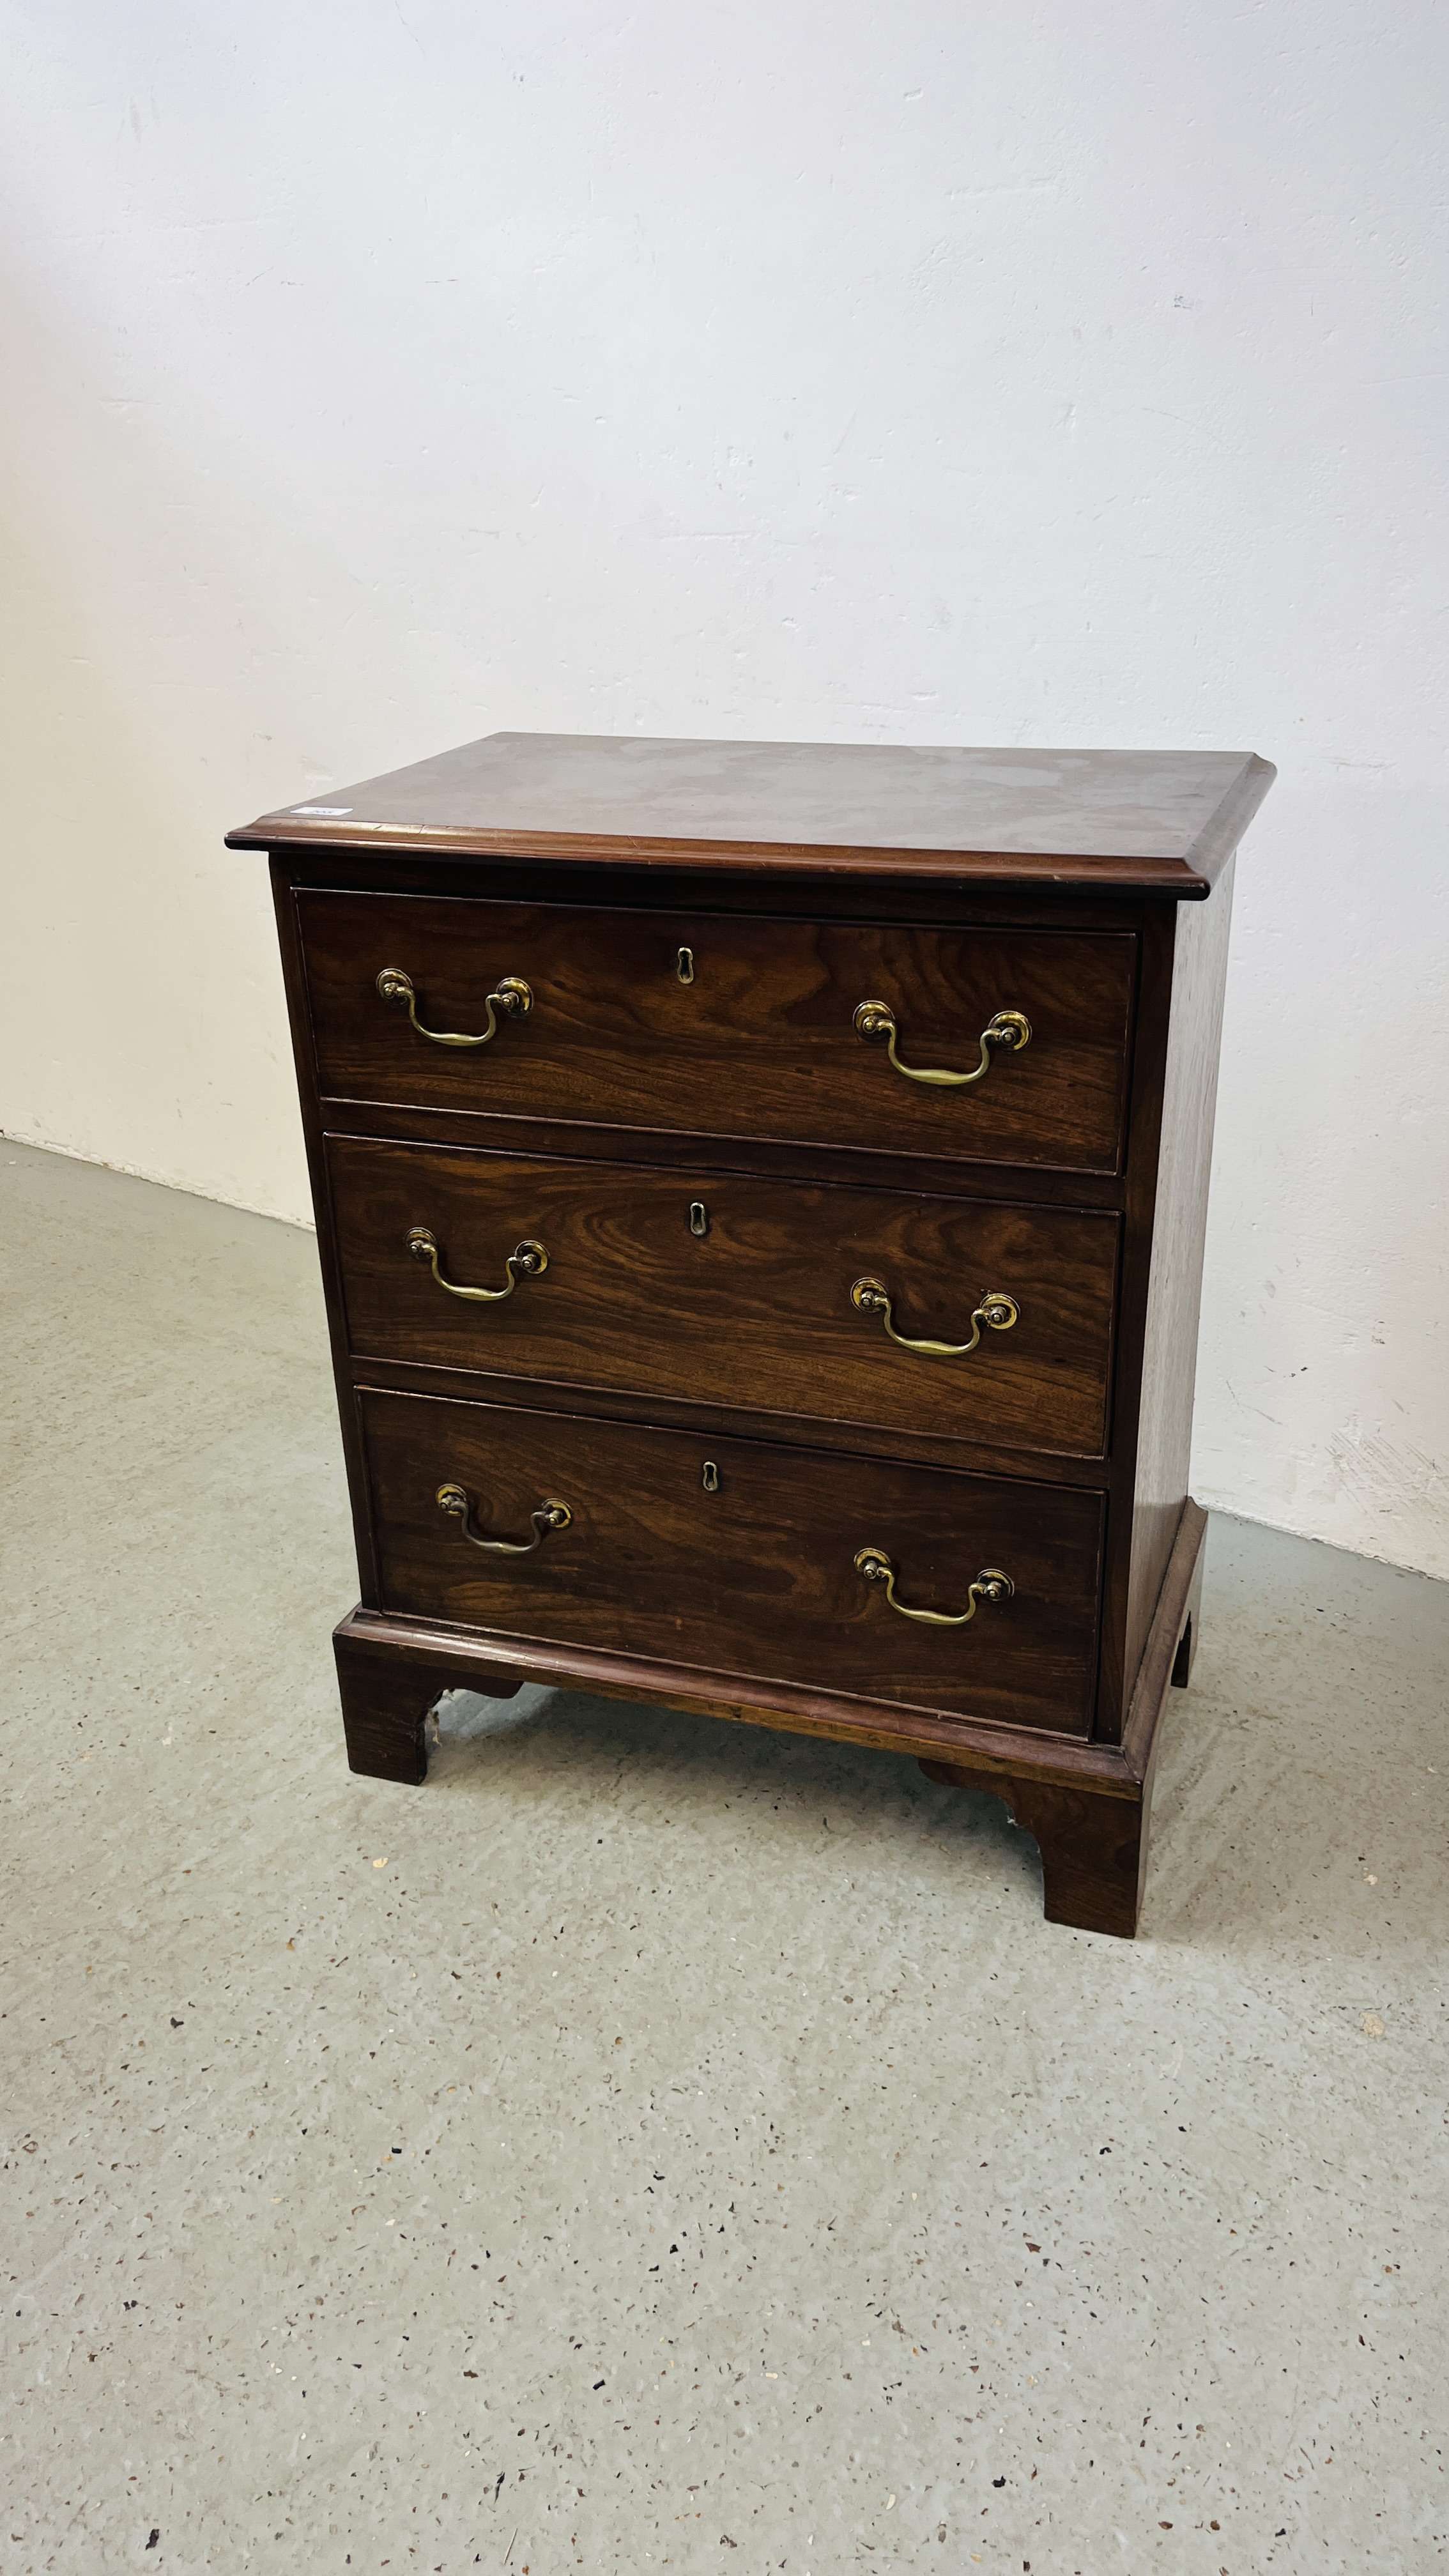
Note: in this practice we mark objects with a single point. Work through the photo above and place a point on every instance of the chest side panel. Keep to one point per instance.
(1163, 1443)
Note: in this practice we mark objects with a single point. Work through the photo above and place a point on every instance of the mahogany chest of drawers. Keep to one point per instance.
(761, 1192)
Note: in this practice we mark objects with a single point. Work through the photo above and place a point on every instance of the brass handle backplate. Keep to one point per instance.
(527, 1260)
(453, 1499)
(995, 1309)
(513, 998)
(990, 1585)
(1010, 1030)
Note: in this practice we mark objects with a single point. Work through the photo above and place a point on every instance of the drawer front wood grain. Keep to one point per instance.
(756, 1577)
(759, 1043)
(726, 1290)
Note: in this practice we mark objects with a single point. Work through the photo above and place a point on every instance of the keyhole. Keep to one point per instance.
(698, 1217)
(684, 966)
(710, 1477)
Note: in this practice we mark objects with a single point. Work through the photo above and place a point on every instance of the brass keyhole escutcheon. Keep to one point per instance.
(684, 965)
(709, 1477)
(698, 1217)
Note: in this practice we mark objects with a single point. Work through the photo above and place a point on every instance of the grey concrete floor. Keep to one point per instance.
(656, 2143)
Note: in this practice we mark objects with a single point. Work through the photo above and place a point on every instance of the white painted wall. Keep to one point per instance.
(380, 372)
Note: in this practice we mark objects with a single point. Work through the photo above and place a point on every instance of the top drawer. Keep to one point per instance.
(728, 1025)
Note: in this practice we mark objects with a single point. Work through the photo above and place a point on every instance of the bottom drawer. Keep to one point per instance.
(734, 1556)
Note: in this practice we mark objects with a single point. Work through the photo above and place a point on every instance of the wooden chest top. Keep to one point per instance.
(1118, 822)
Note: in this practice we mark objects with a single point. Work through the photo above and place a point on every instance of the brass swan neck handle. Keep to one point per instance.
(991, 1584)
(513, 998)
(1009, 1030)
(996, 1309)
(455, 1501)
(527, 1260)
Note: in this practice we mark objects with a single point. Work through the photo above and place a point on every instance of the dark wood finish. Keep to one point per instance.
(570, 1140)
(385, 1705)
(469, 1656)
(1179, 1226)
(755, 1312)
(615, 887)
(434, 1660)
(805, 882)
(1177, 1602)
(761, 1043)
(711, 1422)
(1087, 1806)
(1155, 821)
(1094, 1854)
(1092, 1832)
(1184, 963)
(304, 1056)
(757, 1577)
(387, 1698)
(1093, 1845)
(1149, 1061)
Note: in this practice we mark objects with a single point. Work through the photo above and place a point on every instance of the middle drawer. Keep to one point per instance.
(771, 1296)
